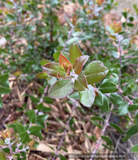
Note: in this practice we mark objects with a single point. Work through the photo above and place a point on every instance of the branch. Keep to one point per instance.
(120, 59)
(70, 33)
(65, 131)
(103, 132)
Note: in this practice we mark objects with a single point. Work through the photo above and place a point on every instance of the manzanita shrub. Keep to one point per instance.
(70, 75)
(103, 75)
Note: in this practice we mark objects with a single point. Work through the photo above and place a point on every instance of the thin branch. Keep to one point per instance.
(120, 61)
(70, 33)
(65, 131)
(103, 132)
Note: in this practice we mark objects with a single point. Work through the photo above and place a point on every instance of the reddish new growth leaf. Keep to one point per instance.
(65, 64)
(54, 69)
(116, 26)
(79, 63)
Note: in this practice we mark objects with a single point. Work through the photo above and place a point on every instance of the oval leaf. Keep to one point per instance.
(116, 99)
(87, 97)
(2, 155)
(133, 130)
(108, 87)
(65, 54)
(79, 63)
(108, 140)
(54, 69)
(4, 90)
(134, 148)
(80, 83)
(117, 128)
(95, 72)
(44, 61)
(42, 75)
(74, 53)
(61, 89)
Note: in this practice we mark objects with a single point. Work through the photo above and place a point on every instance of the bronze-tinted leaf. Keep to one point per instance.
(95, 72)
(54, 69)
(79, 63)
(63, 62)
(41, 75)
(80, 83)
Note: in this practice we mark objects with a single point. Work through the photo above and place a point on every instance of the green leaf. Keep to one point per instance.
(95, 72)
(135, 8)
(134, 148)
(125, 14)
(34, 99)
(96, 123)
(2, 155)
(108, 140)
(116, 99)
(41, 75)
(87, 97)
(74, 95)
(92, 137)
(39, 106)
(1, 103)
(20, 128)
(117, 128)
(133, 107)
(74, 53)
(126, 138)
(10, 17)
(41, 119)
(61, 42)
(108, 87)
(48, 100)
(79, 63)
(73, 40)
(102, 102)
(133, 130)
(44, 61)
(4, 90)
(9, 4)
(54, 69)
(137, 119)
(34, 129)
(61, 88)
(112, 37)
(112, 149)
(3, 78)
(123, 108)
(80, 2)
(56, 56)
(46, 109)
(24, 137)
(96, 118)
(62, 157)
(80, 83)
(32, 116)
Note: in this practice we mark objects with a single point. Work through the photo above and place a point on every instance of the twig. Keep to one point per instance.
(103, 132)
(65, 131)
(120, 60)
(70, 33)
